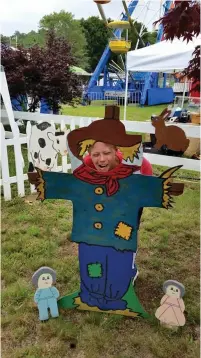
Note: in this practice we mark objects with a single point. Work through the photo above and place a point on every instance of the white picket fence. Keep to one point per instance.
(16, 141)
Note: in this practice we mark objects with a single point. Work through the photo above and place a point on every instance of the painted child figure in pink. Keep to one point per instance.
(170, 312)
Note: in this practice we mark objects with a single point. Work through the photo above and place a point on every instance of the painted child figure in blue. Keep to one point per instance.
(46, 295)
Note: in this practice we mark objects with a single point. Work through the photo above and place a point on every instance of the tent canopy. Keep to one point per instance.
(164, 56)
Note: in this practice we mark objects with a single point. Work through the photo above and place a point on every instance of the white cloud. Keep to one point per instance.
(24, 15)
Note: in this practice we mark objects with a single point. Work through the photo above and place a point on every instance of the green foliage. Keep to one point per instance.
(150, 37)
(26, 40)
(32, 38)
(88, 37)
(147, 37)
(42, 72)
(97, 37)
(64, 25)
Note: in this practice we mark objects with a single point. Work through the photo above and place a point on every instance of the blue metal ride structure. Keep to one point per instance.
(139, 82)
(102, 65)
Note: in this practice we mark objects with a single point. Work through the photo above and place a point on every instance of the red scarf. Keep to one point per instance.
(109, 179)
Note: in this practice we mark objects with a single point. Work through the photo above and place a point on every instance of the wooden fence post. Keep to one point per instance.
(4, 166)
(64, 158)
(18, 162)
(28, 133)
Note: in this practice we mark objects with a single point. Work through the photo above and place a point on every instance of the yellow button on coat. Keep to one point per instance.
(98, 225)
(98, 191)
(99, 207)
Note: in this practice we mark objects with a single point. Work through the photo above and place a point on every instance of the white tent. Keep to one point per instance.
(164, 56)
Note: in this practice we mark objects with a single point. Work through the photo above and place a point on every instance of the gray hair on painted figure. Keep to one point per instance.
(40, 272)
(174, 283)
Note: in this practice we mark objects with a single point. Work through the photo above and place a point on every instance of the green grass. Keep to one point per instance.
(35, 234)
(134, 113)
(38, 234)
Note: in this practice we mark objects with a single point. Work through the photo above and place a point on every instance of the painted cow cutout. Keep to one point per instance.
(45, 144)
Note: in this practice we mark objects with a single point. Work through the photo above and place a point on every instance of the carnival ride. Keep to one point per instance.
(142, 86)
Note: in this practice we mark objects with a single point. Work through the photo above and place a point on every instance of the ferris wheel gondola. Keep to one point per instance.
(102, 2)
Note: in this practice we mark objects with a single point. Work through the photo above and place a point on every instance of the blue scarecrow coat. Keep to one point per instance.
(104, 220)
(106, 229)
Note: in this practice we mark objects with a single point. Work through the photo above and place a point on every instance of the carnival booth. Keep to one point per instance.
(167, 57)
(164, 56)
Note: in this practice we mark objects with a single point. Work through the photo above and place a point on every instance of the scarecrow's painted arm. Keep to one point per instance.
(52, 185)
(159, 190)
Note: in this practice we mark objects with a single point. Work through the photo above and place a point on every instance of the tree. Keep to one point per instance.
(31, 38)
(64, 25)
(26, 40)
(97, 37)
(148, 37)
(184, 21)
(42, 73)
(5, 40)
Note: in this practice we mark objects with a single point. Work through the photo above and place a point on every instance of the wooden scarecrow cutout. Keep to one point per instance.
(105, 215)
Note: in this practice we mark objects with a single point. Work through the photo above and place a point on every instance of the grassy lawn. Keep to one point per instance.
(134, 113)
(38, 234)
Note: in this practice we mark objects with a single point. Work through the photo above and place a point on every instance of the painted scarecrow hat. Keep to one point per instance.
(108, 130)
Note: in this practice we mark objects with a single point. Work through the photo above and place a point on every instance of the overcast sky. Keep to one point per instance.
(24, 15)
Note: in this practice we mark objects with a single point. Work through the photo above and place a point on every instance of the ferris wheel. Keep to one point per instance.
(121, 45)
